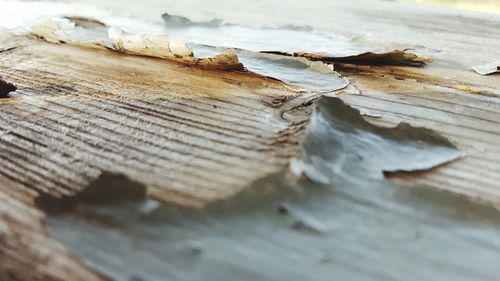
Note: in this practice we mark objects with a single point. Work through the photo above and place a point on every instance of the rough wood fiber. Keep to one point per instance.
(219, 127)
(27, 252)
(459, 104)
(190, 135)
(180, 130)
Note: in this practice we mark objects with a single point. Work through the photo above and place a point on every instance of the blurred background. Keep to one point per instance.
(491, 6)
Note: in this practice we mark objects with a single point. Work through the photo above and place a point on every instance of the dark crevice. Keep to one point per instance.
(107, 189)
(6, 88)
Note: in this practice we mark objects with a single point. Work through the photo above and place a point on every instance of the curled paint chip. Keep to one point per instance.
(67, 31)
(49, 30)
(93, 34)
(395, 57)
(169, 47)
(282, 40)
(297, 71)
(340, 142)
(161, 46)
(486, 69)
(228, 60)
(175, 20)
(85, 22)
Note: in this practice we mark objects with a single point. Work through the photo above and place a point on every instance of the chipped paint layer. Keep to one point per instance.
(49, 31)
(350, 226)
(341, 142)
(487, 69)
(396, 57)
(300, 72)
(283, 41)
(354, 223)
(161, 46)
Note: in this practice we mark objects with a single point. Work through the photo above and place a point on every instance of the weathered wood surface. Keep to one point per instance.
(27, 252)
(463, 107)
(446, 95)
(462, 38)
(190, 134)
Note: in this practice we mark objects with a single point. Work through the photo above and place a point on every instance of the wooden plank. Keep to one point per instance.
(184, 131)
(194, 135)
(27, 252)
(461, 105)
(190, 135)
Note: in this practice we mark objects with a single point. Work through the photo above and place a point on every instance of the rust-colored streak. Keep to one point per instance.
(196, 132)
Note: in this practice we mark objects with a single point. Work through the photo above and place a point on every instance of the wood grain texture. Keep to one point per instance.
(26, 250)
(193, 136)
(459, 104)
(189, 134)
